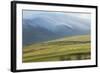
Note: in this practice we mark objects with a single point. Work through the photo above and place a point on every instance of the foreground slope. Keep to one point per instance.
(67, 48)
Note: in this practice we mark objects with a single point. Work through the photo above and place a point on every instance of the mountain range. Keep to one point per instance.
(44, 27)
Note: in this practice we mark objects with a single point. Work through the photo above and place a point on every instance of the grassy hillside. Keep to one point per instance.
(67, 48)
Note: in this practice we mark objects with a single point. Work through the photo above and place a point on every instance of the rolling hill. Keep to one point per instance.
(63, 49)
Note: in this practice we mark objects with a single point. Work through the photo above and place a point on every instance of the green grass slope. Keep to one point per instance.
(67, 48)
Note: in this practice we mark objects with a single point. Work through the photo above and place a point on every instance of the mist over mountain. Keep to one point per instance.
(48, 26)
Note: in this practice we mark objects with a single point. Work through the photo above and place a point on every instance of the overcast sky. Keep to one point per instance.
(31, 14)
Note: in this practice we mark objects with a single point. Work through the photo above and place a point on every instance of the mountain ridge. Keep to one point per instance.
(44, 28)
